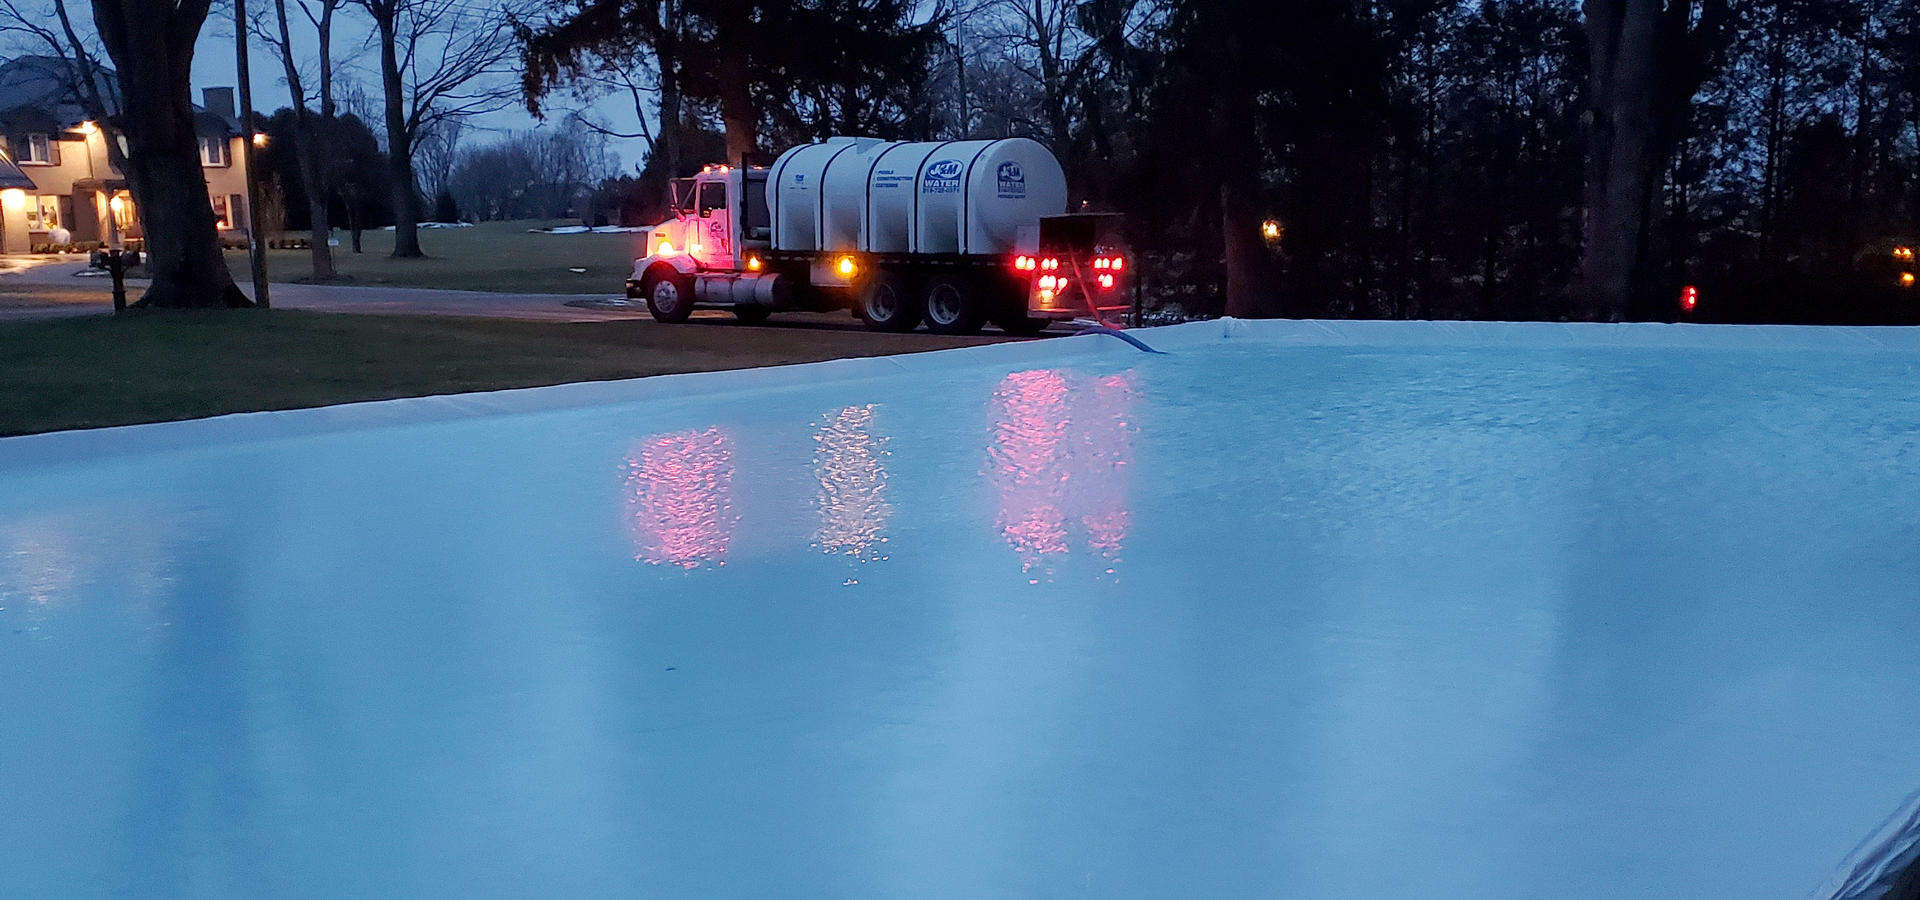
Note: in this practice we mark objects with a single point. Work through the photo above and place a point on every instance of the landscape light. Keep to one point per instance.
(1270, 230)
(1906, 279)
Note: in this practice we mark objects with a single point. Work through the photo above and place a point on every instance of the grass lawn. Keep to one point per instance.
(490, 256)
(152, 367)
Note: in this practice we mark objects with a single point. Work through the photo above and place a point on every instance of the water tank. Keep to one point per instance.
(951, 197)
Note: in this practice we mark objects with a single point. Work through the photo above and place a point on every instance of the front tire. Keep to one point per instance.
(886, 304)
(669, 295)
(953, 306)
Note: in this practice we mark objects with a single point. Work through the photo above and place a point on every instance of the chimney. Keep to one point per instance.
(218, 100)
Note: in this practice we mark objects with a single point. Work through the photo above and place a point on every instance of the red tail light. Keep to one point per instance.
(1106, 281)
(1050, 264)
(1023, 263)
(1689, 298)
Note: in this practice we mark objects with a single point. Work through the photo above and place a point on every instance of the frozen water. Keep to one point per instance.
(1296, 609)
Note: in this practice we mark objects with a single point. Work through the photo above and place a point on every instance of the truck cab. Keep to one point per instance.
(709, 248)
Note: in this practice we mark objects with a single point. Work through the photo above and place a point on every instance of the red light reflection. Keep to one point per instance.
(680, 498)
(1060, 445)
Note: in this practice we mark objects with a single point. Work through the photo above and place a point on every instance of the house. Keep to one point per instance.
(55, 170)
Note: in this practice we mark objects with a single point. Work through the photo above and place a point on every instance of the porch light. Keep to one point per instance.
(13, 199)
(259, 139)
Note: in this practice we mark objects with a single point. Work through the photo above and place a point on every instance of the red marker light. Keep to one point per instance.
(1689, 298)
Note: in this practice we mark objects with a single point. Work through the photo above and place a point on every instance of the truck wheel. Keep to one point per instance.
(887, 305)
(1022, 325)
(669, 294)
(751, 313)
(953, 306)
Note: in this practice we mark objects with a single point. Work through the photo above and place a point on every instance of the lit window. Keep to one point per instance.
(49, 212)
(222, 214)
(213, 151)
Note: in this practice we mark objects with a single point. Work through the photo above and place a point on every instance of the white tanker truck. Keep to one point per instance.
(955, 233)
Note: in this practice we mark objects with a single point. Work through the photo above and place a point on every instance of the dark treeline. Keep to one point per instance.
(1410, 158)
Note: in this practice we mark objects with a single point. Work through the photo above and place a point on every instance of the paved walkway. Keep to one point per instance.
(45, 287)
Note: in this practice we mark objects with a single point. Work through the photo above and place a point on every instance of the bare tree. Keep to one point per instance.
(601, 48)
(439, 60)
(151, 43)
(434, 153)
(310, 134)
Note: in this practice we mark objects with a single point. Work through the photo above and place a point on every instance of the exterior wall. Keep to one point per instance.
(230, 181)
(84, 211)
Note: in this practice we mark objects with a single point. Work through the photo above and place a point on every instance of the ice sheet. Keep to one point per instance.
(1297, 609)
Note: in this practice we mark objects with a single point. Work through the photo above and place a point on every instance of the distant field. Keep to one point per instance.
(491, 256)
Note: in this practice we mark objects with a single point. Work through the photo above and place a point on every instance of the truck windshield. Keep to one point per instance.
(682, 190)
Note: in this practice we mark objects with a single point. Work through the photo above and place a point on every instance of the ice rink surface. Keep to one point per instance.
(1297, 609)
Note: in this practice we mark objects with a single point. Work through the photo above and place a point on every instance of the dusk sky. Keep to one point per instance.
(355, 62)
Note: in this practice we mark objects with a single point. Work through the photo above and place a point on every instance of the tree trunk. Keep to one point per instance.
(736, 111)
(668, 146)
(1622, 163)
(1248, 296)
(151, 45)
(310, 152)
(406, 200)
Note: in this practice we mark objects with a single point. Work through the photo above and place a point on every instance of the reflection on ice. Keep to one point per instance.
(680, 497)
(1060, 447)
(848, 463)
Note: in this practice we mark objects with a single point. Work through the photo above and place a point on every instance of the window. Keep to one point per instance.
(49, 211)
(37, 149)
(213, 151)
(713, 195)
(222, 213)
(682, 194)
(754, 198)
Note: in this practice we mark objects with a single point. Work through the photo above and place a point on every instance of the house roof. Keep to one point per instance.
(12, 177)
(36, 95)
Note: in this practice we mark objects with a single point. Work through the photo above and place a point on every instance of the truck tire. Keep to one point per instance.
(953, 306)
(1022, 325)
(669, 294)
(887, 303)
(751, 313)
